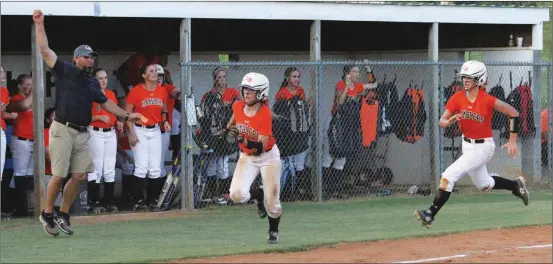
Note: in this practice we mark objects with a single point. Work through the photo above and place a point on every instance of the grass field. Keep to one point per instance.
(233, 230)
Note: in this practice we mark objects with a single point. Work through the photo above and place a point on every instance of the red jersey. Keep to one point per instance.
(47, 165)
(123, 140)
(285, 93)
(97, 110)
(23, 125)
(476, 118)
(148, 103)
(251, 127)
(4, 100)
(341, 85)
(169, 103)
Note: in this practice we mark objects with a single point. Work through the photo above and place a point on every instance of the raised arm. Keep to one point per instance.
(48, 55)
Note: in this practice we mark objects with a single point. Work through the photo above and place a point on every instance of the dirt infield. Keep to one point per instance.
(524, 244)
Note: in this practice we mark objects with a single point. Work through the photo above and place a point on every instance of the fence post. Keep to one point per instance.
(319, 130)
(550, 119)
(187, 194)
(38, 123)
(435, 103)
(315, 56)
(440, 113)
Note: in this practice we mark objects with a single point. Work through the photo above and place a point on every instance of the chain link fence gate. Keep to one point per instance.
(377, 143)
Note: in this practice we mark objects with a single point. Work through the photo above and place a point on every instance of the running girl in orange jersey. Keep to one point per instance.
(251, 127)
(148, 99)
(473, 108)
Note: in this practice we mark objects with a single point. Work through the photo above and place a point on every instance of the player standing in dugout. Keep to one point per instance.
(473, 108)
(76, 90)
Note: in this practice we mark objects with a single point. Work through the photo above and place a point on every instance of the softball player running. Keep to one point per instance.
(251, 127)
(103, 149)
(473, 109)
(147, 98)
(217, 109)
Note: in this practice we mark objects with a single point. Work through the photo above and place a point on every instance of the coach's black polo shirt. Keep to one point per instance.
(75, 92)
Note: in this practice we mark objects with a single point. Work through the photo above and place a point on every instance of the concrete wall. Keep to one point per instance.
(409, 162)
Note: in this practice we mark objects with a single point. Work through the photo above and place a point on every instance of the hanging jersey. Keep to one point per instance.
(252, 127)
(97, 110)
(23, 125)
(4, 100)
(476, 117)
(147, 103)
(369, 120)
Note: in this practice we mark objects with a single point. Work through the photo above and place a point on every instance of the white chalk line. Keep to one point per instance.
(473, 253)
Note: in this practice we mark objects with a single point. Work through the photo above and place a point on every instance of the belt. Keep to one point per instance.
(25, 139)
(477, 141)
(257, 154)
(144, 126)
(102, 129)
(81, 129)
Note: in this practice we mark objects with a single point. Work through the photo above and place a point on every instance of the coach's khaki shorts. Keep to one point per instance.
(69, 151)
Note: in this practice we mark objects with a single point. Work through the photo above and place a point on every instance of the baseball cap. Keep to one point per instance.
(84, 50)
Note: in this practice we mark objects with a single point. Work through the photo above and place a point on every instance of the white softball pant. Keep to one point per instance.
(218, 165)
(22, 153)
(165, 140)
(247, 168)
(327, 158)
(147, 152)
(3, 152)
(103, 150)
(472, 162)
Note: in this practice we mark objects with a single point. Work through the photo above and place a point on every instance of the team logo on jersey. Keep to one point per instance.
(466, 114)
(243, 129)
(152, 101)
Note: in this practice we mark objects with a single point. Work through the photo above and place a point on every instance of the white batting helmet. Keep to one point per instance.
(476, 70)
(257, 82)
(159, 69)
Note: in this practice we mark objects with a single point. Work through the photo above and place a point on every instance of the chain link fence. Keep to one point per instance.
(378, 137)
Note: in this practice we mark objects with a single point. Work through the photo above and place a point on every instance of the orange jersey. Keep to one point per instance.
(47, 165)
(97, 110)
(23, 125)
(341, 85)
(148, 103)
(285, 94)
(4, 100)
(251, 127)
(476, 118)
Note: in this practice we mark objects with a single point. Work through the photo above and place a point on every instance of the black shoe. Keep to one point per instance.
(273, 237)
(425, 217)
(112, 207)
(154, 207)
(140, 206)
(261, 211)
(97, 208)
(62, 221)
(48, 224)
(4, 216)
(521, 190)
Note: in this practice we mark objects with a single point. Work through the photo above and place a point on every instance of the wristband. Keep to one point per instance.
(514, 124)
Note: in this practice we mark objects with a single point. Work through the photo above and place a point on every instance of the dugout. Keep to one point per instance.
(283, 31)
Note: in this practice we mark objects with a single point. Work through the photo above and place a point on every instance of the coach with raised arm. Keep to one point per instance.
(76, 90)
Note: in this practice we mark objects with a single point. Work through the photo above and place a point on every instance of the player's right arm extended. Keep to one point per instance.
(48, 55)
(129, 108)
